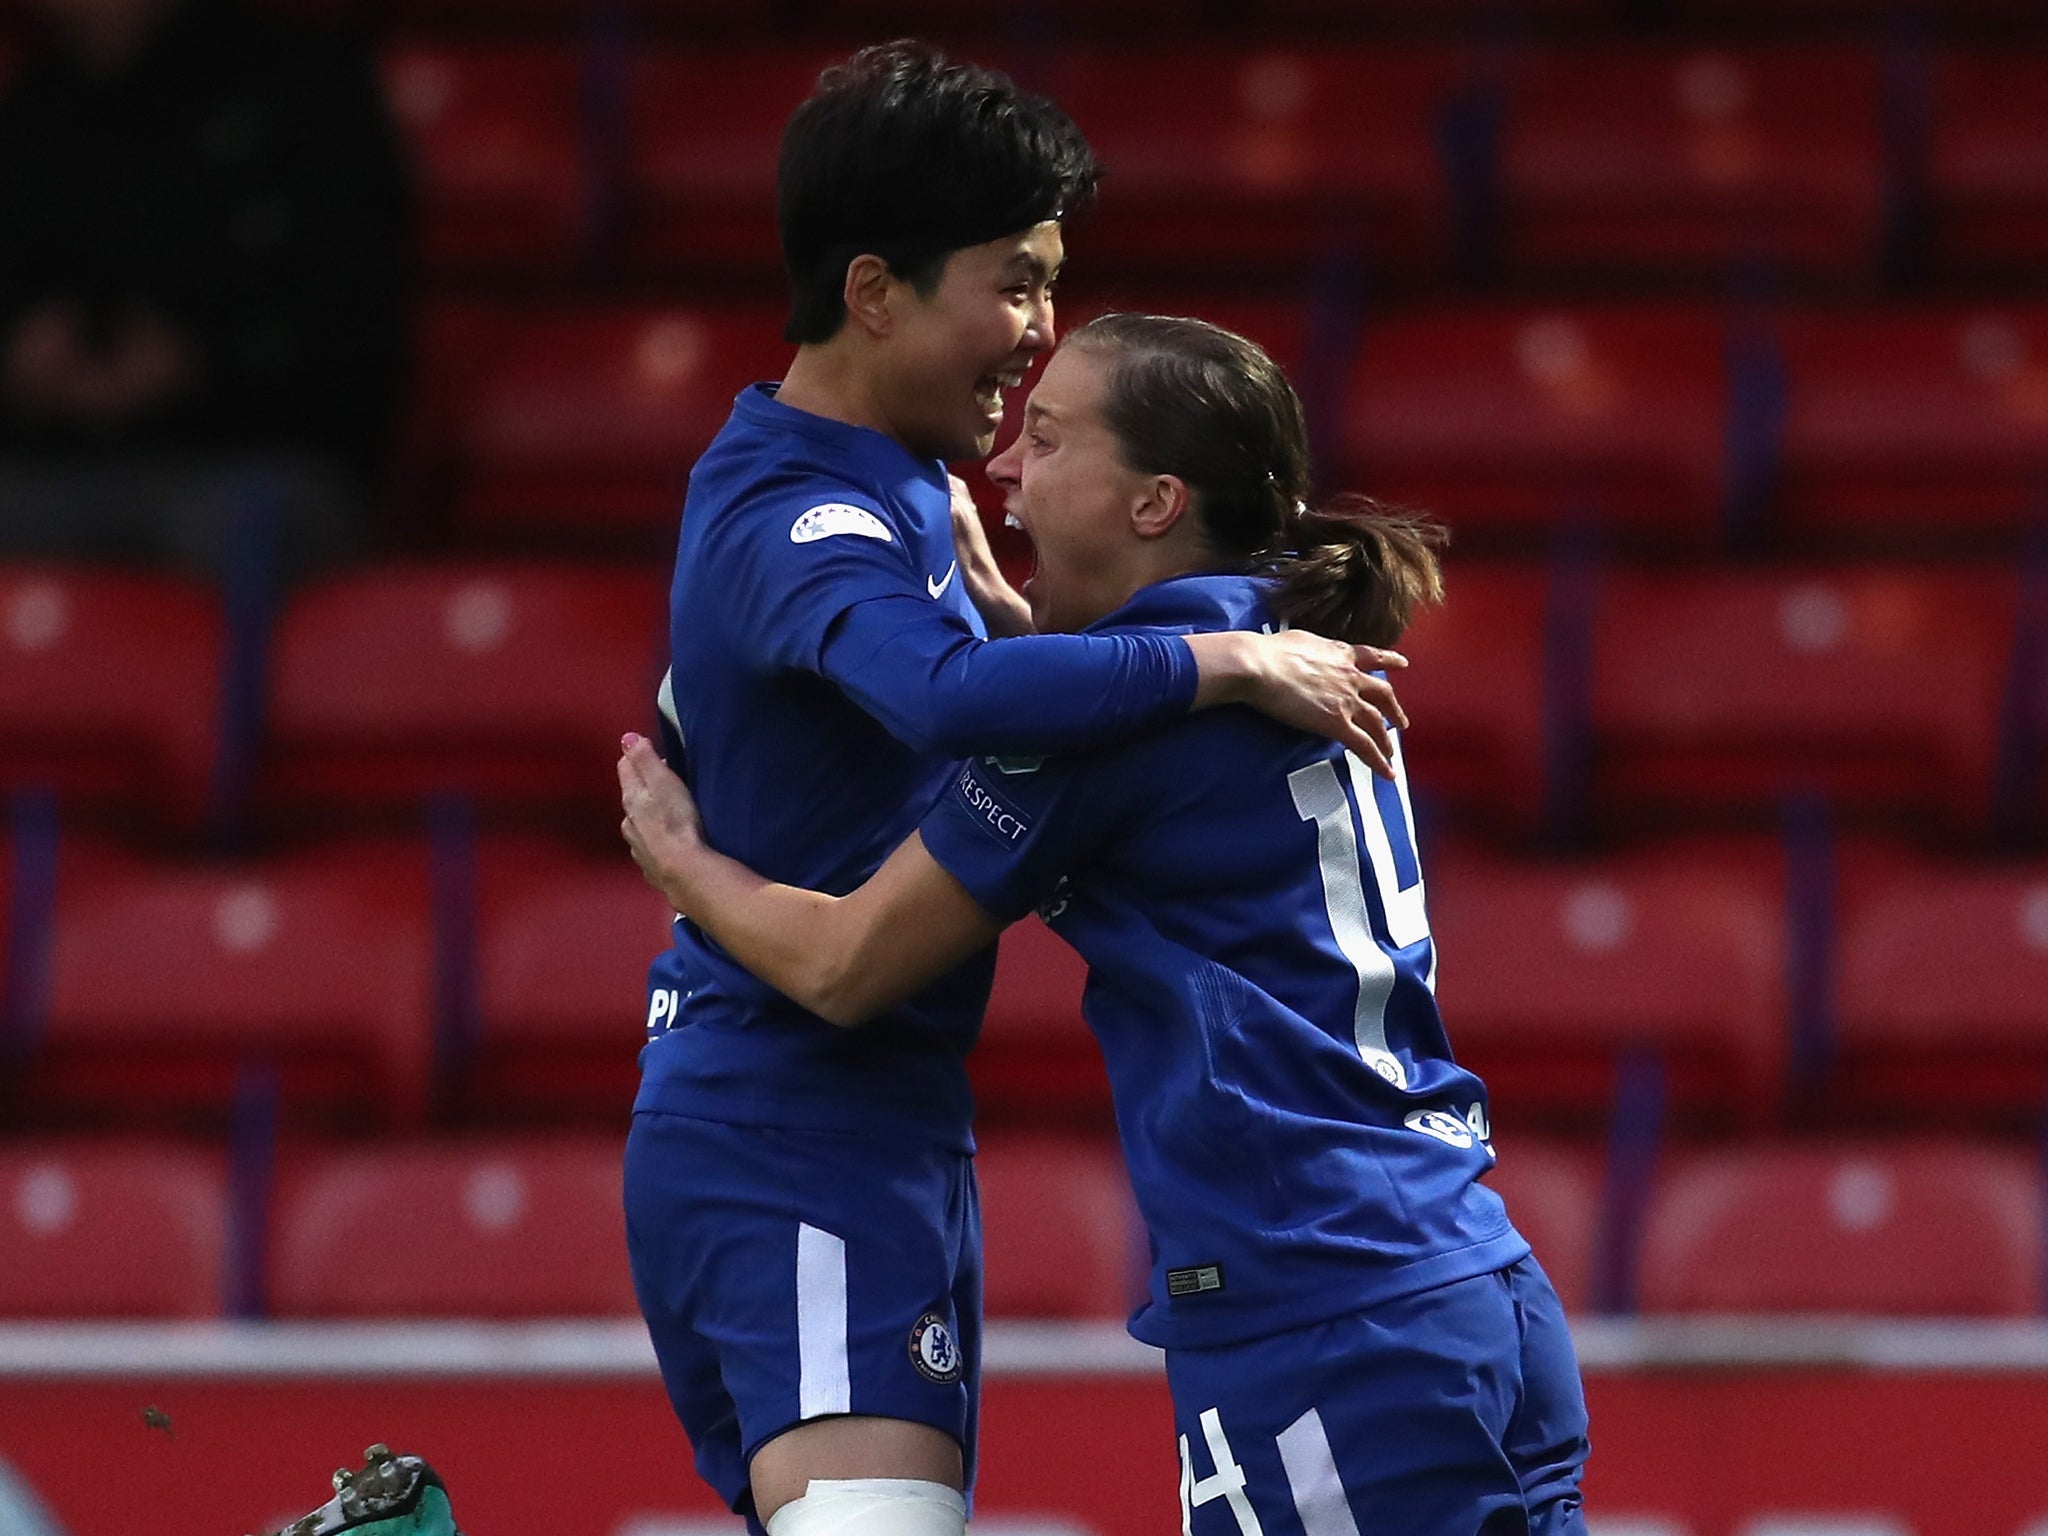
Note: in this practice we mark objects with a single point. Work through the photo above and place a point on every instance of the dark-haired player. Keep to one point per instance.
(1357, 1339)
(800, 1200)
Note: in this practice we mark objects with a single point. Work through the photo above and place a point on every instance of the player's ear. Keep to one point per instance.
(869, 288)
(1161, 505)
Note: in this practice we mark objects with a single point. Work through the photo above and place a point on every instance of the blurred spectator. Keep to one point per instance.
(204, 246)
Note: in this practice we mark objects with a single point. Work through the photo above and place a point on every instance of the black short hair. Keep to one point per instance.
(904, 154)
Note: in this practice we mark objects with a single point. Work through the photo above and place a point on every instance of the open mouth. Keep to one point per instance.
(1012, 520)
(989, 392)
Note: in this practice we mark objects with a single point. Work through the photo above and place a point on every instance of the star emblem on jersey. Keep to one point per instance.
(836, 517)
(933, 1351)
(936, 585)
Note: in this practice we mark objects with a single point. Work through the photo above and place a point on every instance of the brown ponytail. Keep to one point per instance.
(1355, 571)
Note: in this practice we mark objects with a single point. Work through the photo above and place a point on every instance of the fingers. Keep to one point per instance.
(1368, 734)
(1364, 745)
(1377, 694)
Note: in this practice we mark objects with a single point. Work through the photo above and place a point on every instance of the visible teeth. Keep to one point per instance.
(1010, 520)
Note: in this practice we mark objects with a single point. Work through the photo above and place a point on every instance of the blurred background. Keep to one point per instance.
(353, 355)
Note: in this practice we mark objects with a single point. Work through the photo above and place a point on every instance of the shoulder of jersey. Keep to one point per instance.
(832, 519)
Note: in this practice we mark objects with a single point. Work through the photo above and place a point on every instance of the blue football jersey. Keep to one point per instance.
(1261, 980)
(825, 669)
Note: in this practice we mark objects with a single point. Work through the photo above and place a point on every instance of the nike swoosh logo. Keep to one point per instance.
(936, 585)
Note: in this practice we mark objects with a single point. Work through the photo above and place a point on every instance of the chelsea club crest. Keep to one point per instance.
(933, 1351)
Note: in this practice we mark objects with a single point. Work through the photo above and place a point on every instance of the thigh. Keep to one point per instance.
(1547, 1437)
(1386, 1420)
(790, 1276)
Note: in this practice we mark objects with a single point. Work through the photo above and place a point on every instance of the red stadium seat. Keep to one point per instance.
(110, 689)
(589, 420)
(508, 684)
(1512, 422)
(165, 981)
(1554, 974)
(1926, 426)
(496, 1230)
(1693, 161)
(497, 140)
(563, 944)
(1036, 1057)
(1062, 1236)
(110, 1229)
(1719, 694)
(1476, 696)
(1896, 1228)
(1988, 162)
(1552, 1190)
(705, 129)
(1285, 155)
(1941, 972)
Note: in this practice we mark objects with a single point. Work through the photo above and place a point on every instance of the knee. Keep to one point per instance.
(872, 1506)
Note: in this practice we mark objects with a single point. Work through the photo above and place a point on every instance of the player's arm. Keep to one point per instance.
(844, 958)
(848, 604)
(944, 690)
(1002, 607)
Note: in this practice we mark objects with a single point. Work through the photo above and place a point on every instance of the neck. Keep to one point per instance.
(826, 379)
(1147, 563)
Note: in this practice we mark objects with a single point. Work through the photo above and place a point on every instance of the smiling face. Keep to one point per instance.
(955, 351)
(1086, 511)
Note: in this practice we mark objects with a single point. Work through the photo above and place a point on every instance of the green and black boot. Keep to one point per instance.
(391, 1496)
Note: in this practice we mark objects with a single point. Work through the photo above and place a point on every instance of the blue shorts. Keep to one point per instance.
(794, 1275)
(1454, 1412)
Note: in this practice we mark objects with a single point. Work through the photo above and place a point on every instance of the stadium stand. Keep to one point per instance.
(1722, 693)
(1940, 974)
(1485, 689)
(1902, 1228)
(586, 420)
(1987, 164)
(1620, 160)
(1514, 423)
(110, 691)
(110, 1228)
(1063, 1238)
(506, 1229)
(1924, 427)
(507, 684)
(173, 988)
(1035, 1057)
(1307, 155)
(562, 944)
(1555, 977)
(497, 140)
(704, 127)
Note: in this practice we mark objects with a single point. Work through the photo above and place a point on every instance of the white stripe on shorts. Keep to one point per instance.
(1312, 1474)
(823, 1385)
